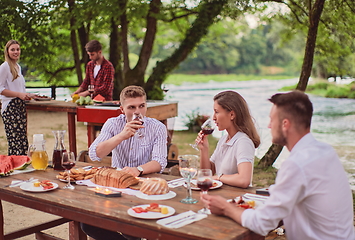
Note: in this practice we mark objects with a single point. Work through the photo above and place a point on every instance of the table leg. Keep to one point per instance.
(72, 132)
(1, 222)
(91, 133)
(75, 232)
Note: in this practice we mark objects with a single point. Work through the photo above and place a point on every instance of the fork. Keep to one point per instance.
(19, 183)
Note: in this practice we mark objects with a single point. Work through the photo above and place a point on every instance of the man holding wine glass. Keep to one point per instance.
(99, 74)
(141, 153)
(311, 193)
(233, 159)
(138, 145)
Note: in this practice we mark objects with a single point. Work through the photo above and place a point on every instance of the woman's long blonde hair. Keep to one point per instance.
(11, 62)
(233, 101)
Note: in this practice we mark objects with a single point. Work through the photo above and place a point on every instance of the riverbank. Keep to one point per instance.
(323, 88)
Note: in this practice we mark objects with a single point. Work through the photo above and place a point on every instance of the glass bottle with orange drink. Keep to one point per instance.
(37, 153)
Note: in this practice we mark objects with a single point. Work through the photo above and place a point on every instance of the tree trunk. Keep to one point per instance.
(314, 17)
(270, 156)
(315, 13)
(84, 39)
(206, 17)
(115, 57)
(74, 43)
(135, 76)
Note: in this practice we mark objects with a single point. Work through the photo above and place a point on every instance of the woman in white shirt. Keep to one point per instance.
(13, 95)
(233, 158)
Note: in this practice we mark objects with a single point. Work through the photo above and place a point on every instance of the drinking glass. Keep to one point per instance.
(68, 162)
(204, 182)
(138, 117)
(188, 169)
(207, 128)
(91, 89)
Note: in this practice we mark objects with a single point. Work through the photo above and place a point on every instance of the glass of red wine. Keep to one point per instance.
(91, 89)
(204, 182)
(68, 162)
(207, 128)
(138, 117)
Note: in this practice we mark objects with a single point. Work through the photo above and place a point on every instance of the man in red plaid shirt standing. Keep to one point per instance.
(99, 74)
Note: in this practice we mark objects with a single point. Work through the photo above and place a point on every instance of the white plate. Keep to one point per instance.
(31, 188)
(43, 99)
(150, 215)
(101, 107)
(63, 180)
(219, 184)
(168, 195)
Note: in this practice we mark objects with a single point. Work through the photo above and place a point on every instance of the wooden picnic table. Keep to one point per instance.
(97, 115)
(83, 205)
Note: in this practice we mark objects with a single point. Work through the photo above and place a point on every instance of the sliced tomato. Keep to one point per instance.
(139, 210)
(154, 205)
(244, 205)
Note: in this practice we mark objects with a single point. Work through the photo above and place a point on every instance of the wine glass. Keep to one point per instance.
(188, 169)
(138, 117)
(204, 182)
(207, 128)
(91, 89)
(68, 162)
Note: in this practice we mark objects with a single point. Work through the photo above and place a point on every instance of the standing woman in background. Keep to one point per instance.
(13, 95)
(233, 158)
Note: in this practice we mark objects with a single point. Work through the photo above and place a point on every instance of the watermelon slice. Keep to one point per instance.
(99, 99)
(20, 162)
(6, 165)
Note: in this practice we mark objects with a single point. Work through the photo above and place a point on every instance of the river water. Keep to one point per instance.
(333, 120)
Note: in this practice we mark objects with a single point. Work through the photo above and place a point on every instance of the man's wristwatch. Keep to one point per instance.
(140, 169)
(219, 176)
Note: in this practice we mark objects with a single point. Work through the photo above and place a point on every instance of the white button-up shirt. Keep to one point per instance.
(18, 85)
(311, 195)
(149, 144)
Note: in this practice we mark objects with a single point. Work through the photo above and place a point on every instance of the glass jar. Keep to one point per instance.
(59, 148)
(37, 153)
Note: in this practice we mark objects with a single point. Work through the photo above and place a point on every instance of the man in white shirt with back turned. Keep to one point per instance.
(311, 193)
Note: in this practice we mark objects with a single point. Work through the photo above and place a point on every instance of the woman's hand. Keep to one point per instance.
(202, 141)
(24, 96)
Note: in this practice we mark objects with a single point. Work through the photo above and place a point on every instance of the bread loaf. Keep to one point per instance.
(154, 186)
(110, 177)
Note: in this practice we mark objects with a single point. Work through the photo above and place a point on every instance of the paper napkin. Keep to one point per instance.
(181, 220)
(176, 182)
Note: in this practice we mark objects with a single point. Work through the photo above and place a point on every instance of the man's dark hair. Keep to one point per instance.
(295, 106)
(93, 46)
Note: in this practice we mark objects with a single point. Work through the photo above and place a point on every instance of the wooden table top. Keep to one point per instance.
(83, 205)
(52, 105)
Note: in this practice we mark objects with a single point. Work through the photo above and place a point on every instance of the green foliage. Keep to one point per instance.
(195, 120)
(337, 92)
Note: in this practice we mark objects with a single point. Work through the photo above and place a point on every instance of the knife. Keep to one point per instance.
(180, 220)
(176, 180)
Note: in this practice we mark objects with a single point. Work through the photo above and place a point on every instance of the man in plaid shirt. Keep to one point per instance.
(99, 73)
